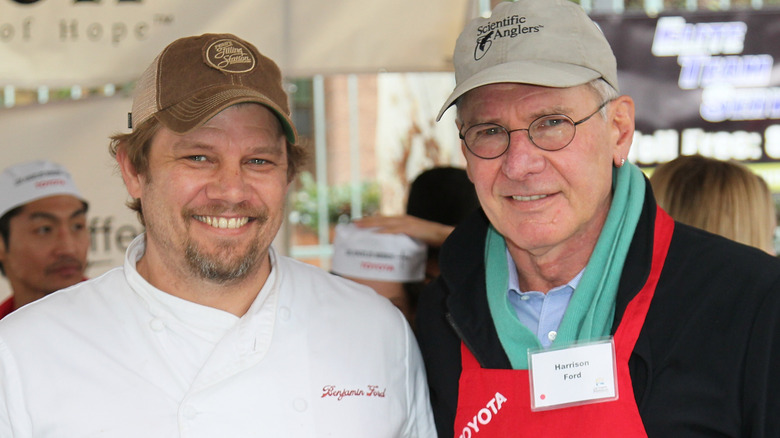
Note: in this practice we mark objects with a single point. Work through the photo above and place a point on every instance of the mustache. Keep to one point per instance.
(65, 262)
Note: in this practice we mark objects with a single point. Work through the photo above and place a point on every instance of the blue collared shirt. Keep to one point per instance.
(541, 313)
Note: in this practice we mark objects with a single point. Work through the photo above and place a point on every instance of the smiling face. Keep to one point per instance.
(213, 199)
(47, 247)
(543, 201)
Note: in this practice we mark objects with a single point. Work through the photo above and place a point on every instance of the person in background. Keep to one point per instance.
(722, 197)
(206, 330)
(386, 263)
(43, 234)
(571, 305)
(439, 199)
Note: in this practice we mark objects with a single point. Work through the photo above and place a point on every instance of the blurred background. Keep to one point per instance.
(366, 79)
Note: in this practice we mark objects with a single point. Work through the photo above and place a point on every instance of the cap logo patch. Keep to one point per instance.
(230, 56)
(483, 45)
(37, 175)
(508, 27)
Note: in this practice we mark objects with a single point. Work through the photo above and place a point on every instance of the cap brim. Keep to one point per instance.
(541, 73)
(198, 109)
(20, 202)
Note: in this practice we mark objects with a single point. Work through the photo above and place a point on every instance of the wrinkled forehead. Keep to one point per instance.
(506, 95)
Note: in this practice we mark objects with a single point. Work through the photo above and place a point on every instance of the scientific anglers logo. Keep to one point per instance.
(230, 56)
(507, 27)
(483, 45)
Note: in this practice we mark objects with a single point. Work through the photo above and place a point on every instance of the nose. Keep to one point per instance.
(67, 240)
(522, 157)
(228, 184)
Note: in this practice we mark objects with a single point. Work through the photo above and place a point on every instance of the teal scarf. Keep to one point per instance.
(592, 306)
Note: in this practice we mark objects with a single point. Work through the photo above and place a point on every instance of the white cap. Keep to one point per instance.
(26, 182)
(550, 43)
(363, 253)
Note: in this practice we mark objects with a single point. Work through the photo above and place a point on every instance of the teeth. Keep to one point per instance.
(222, 222)
(528, 198)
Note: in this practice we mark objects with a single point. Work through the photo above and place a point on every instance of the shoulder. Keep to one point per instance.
(86, 303)
(311, 285)
(713, 274)
(706, 254)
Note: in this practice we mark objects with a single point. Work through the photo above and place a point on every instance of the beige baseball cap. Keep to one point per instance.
(27, 182)
(366, 254)
(194, 78)
(551, 43)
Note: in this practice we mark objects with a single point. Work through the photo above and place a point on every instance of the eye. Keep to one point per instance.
(551, 122)
(485, 130)
(42, 231)
(493, 130)
(258, 161)
(199, 158)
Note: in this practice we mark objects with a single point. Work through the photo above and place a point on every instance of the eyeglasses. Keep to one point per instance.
(550, 133)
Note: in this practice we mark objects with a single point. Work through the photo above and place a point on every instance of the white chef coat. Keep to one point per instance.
(314, 356)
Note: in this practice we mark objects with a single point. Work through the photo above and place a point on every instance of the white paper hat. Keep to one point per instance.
(26, 182)
(363, 253)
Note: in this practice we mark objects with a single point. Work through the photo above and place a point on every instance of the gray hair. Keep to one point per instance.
(603, 90)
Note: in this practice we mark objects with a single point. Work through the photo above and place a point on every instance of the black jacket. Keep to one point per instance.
(706, 364)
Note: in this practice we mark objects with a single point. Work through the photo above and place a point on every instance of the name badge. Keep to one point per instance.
(575, 375)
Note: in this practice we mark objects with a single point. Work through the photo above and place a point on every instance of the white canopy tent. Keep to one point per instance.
(60, 43)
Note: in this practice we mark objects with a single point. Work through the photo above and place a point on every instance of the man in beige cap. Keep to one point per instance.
(43, 231)
(571, 306)
(206, 331)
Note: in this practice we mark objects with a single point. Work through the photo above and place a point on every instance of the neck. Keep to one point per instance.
(548, 271)
(542, 269)
(234, 297)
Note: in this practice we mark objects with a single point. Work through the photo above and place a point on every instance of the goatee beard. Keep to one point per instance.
(224, 265)
(218, 269)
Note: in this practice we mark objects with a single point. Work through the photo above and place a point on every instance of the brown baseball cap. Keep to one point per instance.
(194, 78)
(550, 43)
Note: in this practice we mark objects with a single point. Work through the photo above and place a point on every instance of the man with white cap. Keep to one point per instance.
(43, 234)
(206, 331)
(571, 305)
(385, 262)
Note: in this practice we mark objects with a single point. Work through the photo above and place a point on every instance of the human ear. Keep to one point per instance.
(622, 128)
(133, 180)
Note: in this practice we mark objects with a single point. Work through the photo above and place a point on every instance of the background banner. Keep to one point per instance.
(703, 82)
(60, 43)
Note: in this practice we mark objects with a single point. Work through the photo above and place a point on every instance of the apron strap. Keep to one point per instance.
(634, 317)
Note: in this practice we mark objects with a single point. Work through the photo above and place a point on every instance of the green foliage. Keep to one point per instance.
(339, 198)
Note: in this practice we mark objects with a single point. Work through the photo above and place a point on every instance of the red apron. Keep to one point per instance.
(497, 403)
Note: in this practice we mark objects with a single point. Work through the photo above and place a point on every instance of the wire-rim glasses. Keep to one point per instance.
(552, 132)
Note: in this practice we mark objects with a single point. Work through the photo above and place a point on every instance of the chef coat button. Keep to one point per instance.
(157, 325)
(525, 297)
(300, 404)
(284, 313)
(190, 412)
(552, 335)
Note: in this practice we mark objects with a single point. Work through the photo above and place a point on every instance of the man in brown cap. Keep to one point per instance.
(571, 305)
(206, 331)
